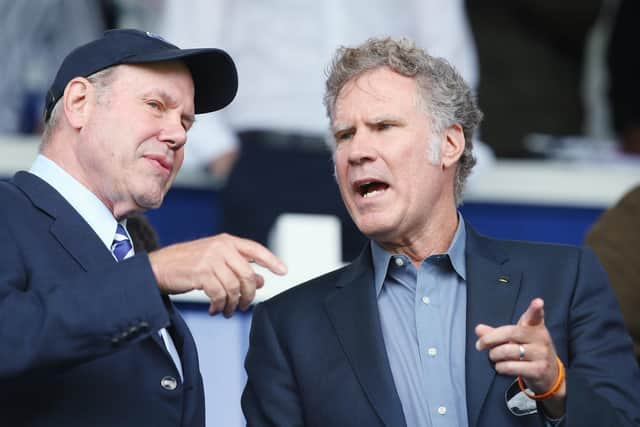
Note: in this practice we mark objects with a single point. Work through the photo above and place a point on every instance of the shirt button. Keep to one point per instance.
(442, 410)
(168, 383)
(399, 261)
(426, 300)
(432, 351)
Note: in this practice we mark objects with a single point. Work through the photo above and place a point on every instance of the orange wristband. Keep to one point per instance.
(554, 388)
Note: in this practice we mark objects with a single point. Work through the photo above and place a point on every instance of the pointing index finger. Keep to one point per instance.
(253, 251)
(534, 315)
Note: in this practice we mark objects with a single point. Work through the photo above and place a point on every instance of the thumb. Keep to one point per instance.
(534, 315)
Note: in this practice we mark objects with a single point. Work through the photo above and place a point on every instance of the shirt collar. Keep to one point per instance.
(381, 257)
(87, 204)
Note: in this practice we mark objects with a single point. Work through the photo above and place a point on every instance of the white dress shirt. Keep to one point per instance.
(95, 213)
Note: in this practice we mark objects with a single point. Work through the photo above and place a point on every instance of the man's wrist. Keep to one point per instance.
(554, 407)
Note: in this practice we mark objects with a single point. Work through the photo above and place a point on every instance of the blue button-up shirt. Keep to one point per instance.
(423, 315)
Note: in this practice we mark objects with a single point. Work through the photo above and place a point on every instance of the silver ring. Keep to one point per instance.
(522, 353)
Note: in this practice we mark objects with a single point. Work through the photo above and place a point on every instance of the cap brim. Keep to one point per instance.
(214, 74)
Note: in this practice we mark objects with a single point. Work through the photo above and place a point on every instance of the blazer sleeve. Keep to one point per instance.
(270, 397)
(50, 322)
(603, 383)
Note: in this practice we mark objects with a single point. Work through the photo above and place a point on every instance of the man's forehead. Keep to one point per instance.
(171, 82)
(381, 85)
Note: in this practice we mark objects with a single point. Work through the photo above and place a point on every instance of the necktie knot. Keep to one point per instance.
(121, 246)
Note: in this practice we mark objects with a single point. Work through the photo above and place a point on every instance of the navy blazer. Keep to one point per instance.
(78, 331)
(317, 355)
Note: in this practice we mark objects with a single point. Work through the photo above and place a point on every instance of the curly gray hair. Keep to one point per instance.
(446, 96)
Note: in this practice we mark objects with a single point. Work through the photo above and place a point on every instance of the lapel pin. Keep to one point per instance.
(503, 279)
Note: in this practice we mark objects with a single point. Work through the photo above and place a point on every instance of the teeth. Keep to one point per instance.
(371, 194)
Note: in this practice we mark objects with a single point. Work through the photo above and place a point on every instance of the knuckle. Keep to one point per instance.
(227, 238)
(539, 370)
(216, 294)
(233, 288)
(248, 277)
(493, 354)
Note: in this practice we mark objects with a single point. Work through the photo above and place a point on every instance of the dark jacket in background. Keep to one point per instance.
(531, 58)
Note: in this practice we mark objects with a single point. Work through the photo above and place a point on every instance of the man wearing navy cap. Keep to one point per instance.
(89, 337)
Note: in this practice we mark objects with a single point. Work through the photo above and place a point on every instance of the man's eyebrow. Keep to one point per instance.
(161, 93)
(171, 101)
(386, 118)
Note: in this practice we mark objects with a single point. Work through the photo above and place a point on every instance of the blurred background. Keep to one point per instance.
(560, 143)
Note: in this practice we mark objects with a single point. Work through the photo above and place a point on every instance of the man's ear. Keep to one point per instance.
(77, 101)
(453, 145)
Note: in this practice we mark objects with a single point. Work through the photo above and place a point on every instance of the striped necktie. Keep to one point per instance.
(121, 246)
(122, 249)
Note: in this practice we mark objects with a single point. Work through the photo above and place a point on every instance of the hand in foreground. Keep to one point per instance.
(526, 349)
(219, 265)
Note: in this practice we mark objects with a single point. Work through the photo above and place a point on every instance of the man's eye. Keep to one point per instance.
(343, 136)
(384, 126)
(155, 105)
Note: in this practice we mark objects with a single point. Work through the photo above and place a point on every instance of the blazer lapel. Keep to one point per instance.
(492, 290)
(68, 227)
(353, 311)
(72, 231)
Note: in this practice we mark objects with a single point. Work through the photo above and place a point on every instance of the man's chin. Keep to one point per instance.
(150, 201)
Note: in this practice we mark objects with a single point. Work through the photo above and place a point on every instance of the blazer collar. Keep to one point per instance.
(492, 289)
(353, 311)
(77, 237)
(67, 226)
(84, 245)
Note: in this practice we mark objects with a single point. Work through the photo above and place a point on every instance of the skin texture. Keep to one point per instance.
(133, 134)
(538, 368)
(383, 134)
(125, 143)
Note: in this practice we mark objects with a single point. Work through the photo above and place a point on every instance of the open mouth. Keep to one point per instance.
(370, 188)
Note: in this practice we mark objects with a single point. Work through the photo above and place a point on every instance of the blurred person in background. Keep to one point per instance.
(143, 236)
(271, 145)
(35, 35)
(531, 60)
(624, 75)
(615, 237)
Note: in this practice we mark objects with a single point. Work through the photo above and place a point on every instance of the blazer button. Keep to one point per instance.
(169, 383)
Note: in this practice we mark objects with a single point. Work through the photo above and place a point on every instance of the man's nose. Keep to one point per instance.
(361, 148)
(174, 134)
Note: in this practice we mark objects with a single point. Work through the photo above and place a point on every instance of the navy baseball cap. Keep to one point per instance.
(214, 74)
